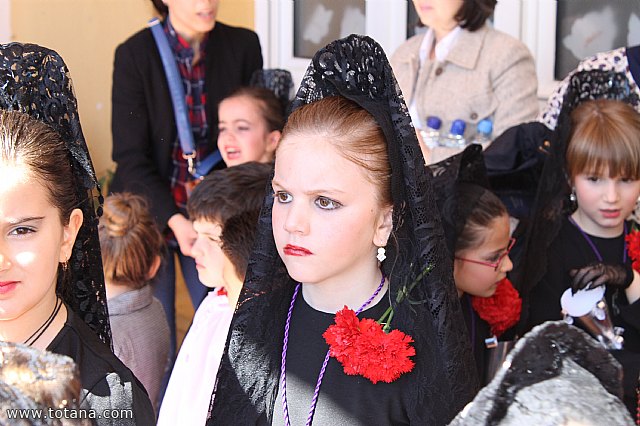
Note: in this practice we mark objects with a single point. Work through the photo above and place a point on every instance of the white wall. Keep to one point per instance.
(5, 21)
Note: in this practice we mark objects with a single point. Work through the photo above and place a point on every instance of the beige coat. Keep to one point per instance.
(487, 74)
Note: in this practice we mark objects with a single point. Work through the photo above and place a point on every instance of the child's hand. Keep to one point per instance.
(598, 274)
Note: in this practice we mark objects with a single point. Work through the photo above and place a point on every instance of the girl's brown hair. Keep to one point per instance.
(269, 106)
(129, 240)
(353, 131)
(605, 136)
(29, 142)
(480, 212)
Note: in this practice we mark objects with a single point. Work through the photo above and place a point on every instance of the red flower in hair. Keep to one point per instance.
(502, 310)
(363, 348)
(633, 248)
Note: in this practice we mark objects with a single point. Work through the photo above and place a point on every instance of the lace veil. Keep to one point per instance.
(35, 80)
(552, 196)
(463, 171)
(443, 380)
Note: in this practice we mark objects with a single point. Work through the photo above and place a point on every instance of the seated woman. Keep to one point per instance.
(51, 283)
(462, 68)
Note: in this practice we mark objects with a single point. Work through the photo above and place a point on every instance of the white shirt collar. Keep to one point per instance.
(442, 47)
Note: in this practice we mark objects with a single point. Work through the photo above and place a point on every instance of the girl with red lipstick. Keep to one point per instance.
(52, 292)
(348, 313)
(578, 241)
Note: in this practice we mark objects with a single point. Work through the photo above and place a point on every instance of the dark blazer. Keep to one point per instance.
(142, 121)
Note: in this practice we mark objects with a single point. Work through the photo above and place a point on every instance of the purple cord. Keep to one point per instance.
(593, 246)
(283, 367)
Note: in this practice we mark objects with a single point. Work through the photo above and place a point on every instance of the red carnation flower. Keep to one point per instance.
(363, 348)
(633, 248)
(502, 310)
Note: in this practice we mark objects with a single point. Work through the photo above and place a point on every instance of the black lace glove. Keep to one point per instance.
(597, 274)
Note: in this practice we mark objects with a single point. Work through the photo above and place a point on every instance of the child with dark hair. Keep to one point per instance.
(51, 279)
(132, 249)
(225, 208)
(250, 124)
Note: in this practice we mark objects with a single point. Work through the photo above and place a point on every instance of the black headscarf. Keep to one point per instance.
(443, 380)
(460, 177)
(35, 80)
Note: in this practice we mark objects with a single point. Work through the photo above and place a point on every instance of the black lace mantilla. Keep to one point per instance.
(35, 80)
(277, 80)
(552, 196)
(449, 176)
(443, 380)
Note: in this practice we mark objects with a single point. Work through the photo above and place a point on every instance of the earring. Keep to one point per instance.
(65, 266)
(381, 254)
(572, 196)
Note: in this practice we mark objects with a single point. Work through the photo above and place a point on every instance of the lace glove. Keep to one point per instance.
(598, 274)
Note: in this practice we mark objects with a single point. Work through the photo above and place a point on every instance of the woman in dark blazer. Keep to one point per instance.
(213, 59)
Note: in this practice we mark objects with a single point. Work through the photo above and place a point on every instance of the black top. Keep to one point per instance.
(479, 330)
(568, 251)
(343, 400)
(107, 384)
(633, 58)
(571, 250)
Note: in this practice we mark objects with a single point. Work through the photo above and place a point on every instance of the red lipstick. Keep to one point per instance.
(291, 250)
(7, 286)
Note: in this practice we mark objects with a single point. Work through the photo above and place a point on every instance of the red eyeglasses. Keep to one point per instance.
(498, 262)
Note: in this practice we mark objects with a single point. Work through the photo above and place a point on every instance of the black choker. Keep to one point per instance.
(40, 331)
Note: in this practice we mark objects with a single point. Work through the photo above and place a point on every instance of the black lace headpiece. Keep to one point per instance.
(552, 196)
(35, 80)
(465, 170)
(443, 380)
(279, 81)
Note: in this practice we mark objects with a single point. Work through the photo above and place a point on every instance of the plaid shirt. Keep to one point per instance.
(193, 76)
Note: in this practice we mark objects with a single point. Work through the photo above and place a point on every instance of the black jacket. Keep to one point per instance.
(143, 124)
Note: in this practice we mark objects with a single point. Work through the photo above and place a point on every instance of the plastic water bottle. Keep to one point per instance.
(431, 135)
(455, 138)
(483, 134)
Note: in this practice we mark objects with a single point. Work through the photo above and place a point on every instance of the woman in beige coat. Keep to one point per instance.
(462, 68)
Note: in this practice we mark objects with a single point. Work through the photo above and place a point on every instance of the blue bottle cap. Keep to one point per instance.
(485, 126)
(434, 122)
(457, 127)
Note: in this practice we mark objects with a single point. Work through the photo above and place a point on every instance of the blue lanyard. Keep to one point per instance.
(185, 135)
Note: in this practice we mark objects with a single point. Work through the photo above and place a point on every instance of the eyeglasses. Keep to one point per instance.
(495, 265)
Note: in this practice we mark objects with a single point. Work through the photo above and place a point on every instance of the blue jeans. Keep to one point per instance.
(164, 288)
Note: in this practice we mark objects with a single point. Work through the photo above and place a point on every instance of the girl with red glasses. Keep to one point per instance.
(477, 228)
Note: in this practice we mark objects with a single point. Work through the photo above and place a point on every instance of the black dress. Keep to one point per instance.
(343, 400)
(107, 384)
(479, 330)
(568, 251)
